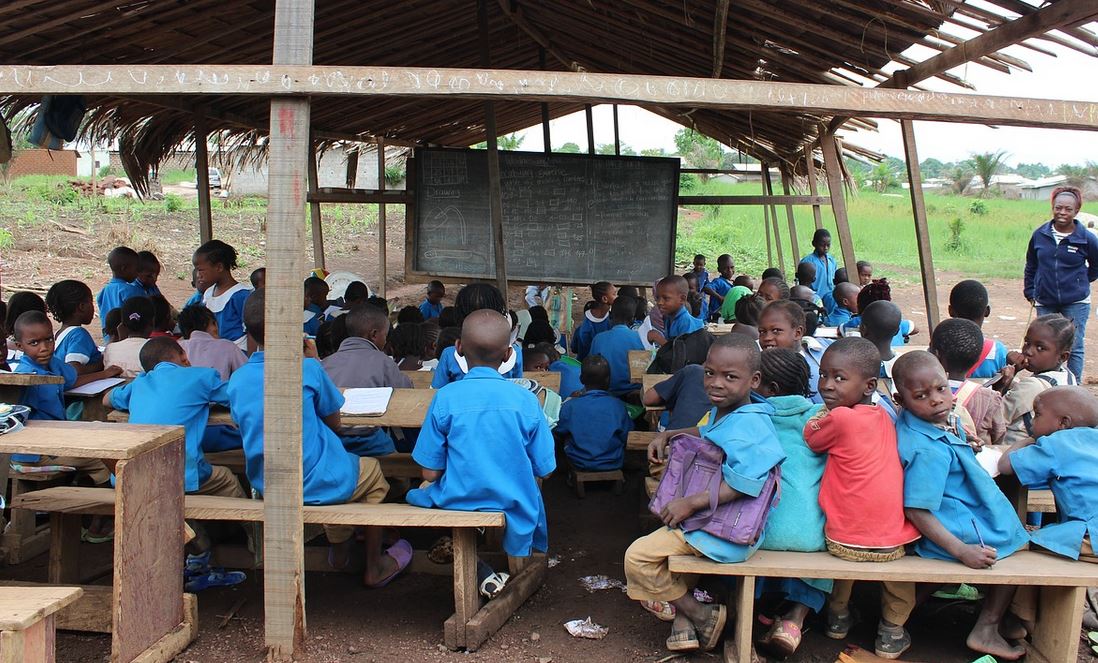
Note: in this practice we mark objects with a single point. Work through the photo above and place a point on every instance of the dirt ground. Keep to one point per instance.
(403, 622)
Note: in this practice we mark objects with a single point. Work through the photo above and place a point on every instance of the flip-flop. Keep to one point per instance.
(686, 640)
(783, 638)
(401, 552)
(491, 586)
(664, 611)
(710, 633)
(442, 552)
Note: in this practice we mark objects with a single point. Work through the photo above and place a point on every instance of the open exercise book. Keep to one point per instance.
(371, 401)
(95, 387)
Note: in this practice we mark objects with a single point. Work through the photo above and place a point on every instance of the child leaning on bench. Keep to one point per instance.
(331, 474)
(483, 444)
(740, 425)
(956, 505)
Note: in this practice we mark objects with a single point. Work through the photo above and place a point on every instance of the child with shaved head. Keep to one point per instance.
(671, 294)
(846, 304)
(484, 443)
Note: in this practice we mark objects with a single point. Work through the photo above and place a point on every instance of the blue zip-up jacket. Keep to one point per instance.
(1061, 273)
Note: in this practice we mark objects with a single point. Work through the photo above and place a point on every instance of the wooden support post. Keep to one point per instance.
(544, 110)
(202, 178)
(830, 147)
(922, 230)
(617, 136)
(590, 129)
(352, 169)
(793, 247)
(283, 541)
(766, 231)
(315, 220)
(382, 253)
(810, 169)
(495, 201)
(768, 190)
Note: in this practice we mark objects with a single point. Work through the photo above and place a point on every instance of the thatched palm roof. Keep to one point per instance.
(845, 42)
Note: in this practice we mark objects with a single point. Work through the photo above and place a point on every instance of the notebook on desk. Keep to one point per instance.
(366, 401)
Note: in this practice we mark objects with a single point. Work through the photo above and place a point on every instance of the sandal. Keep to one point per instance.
(838, 626)
(401, 552)
(442, 552)
(686, 640)
(710, 632)
(491, 586)
(664, 611)
(783, 638)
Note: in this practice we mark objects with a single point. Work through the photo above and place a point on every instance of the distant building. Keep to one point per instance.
(1042, 189)
(43, 162)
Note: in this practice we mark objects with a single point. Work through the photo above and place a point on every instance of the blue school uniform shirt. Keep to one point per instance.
(430, 310)
(313, 315)
(329, 472)
(827, 301)
(596, 424)
(721, 286)
(994, 363)
(490, 439)
(449, 369)
(942, 475)
(176, 395)
(1066, 461)
(614, 345)
(228, 308)
(585, 334)
(75, 345)
(812, 349)
(680, 324)
(825, 272)
(570, 381)
(195, 299)
(751, 450)
(112, 296)
(840, 317)
(46, 401)
(149, 290)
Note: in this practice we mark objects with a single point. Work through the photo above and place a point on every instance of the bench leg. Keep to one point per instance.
(743, 603)
(466, 596)
(1059, 616)
(64, 548)
(34, 644)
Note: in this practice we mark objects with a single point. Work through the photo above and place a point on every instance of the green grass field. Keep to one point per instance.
(991, 244)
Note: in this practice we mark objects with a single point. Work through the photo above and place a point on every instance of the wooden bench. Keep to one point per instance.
(547, 379)
(24, 538)
(639, 361)
(27, 624)
(578, 478)
(393, 466)
(1062, 583)
(468, 628)
(1041, 501)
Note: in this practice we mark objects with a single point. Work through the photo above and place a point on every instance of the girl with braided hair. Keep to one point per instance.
(797, 522)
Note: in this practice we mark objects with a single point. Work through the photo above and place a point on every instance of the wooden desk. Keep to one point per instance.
(719, 328)
(144, 610)
(420, 379)
(547, 379)
(12, 384)
(639, 361)
(27, 628)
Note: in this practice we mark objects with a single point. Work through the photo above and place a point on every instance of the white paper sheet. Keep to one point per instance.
(372, 401)
(989, 460)
(96, 387)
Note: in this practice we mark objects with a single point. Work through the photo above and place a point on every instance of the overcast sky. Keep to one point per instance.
(1069, 76)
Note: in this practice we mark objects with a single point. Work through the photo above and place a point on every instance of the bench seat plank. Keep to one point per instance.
(21, 607)
(100, 501)
(1022, 568)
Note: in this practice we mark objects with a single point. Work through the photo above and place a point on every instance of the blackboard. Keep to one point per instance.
(567, 218)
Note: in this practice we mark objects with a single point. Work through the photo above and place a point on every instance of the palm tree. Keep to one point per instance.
(1076, 175)
(883, 177)
(987, 165)
(961, 177)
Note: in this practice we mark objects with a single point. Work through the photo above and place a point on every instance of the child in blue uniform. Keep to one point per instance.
(846, 304)
(949, 497)
(823, 262)
(594, 425)
(615, 343)
(740, 425)
(123, 262)
(595, 319)
(485, 442)
(316, 303)
(969, 300)
(701, 274)
(570, 382)
(70, 303)
(719, 287)
(432, 305)
(451, 365)
(671, 293)
(214, 263)
(148, 271)
(330, 473)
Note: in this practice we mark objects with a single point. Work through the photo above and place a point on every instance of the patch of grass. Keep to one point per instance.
(994, 242)
(177, 176)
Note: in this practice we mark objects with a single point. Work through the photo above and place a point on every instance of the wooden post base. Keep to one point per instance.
(579, 478)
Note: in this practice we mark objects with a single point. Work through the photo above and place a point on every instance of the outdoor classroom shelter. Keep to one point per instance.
(774, 80)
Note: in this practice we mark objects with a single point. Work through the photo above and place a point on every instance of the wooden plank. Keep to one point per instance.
(639, 440)
(28, 379)
(91, 612)
(100, 501)
(148, 537)
(555, 86)
(649, 380)
(1041, 501)
(382, 245)
(745, 619)
(420, 379)
(283, 539)
(794, 247)
(755, 200)
(720, 33)
(86, 439)
(352, 169)
(466, 596)
(768, 189)
(20, 607)
(64, 562)
(1022, 568)
(400, 466)
(810, 169)
(495, 201)
(315, 221)
(167, 648)
(590, 129)
(638, 364)
(922, 230)
(1060, 613)
(359, 196)
(831, 151)
(617, 136)
(202, 178)
(546, 141)
(496, 612)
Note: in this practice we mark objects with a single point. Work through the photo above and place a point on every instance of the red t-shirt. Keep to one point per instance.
(862, 491)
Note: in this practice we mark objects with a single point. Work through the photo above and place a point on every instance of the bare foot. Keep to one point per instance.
(386, 567)
(1012, 628)
(985, 639)
(339, 555)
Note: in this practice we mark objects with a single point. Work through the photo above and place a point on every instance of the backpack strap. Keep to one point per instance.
(966, 391)
(989, 346)
(1047, 379)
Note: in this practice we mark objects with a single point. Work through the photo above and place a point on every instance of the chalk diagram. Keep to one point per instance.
(445, 169)
(448, 223)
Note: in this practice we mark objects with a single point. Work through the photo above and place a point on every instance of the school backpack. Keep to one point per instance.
(682, 350)
(694, 466)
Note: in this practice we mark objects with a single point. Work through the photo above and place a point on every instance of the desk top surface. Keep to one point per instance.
(28, 379)
(22, 607)
(88, 439)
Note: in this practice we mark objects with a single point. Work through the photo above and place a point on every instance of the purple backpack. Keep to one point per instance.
(694, 467)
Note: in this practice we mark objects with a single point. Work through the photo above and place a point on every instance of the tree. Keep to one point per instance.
(508, 142)
(653, 152)
(986, 166)
(859, 171)
(608, 148)
(1033, 170)
(931, 168)
(961, 176)
(568, 148)
(884, 176)
(699, 151)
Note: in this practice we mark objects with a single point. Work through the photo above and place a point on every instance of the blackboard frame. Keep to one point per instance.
(414, 274)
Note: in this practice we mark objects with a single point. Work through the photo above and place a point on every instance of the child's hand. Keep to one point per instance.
(113, 371)
(1015, 359)
(1006, 378)
(657, 448)
(675, 512)
(977, 557)
(309, 349)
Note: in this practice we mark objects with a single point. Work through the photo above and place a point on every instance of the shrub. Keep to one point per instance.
(956, 242)
(978, 207)
(173, 202)
(394, 174)
(687, 182)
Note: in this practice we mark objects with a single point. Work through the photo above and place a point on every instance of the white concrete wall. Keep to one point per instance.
(331, 172)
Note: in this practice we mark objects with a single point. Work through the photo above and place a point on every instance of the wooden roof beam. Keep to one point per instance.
(720, 33)
(517, 17)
